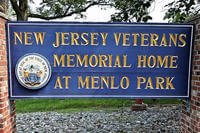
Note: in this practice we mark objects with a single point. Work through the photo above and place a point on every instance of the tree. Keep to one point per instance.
(52, 9)
(3, 6)
(181, 10)
(131, 10)
(21, 9)
(128, 10)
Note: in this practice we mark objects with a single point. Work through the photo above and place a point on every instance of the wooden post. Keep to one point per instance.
(139, 105)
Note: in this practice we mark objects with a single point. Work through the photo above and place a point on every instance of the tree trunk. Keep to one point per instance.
(23, 16)
(21, 9)
(23, 6)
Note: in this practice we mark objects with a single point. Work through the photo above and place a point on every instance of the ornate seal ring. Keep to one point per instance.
(33, 71)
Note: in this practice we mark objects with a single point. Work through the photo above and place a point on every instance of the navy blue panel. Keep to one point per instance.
(180, 76)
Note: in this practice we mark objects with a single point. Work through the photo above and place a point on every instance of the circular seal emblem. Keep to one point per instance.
(33, 71)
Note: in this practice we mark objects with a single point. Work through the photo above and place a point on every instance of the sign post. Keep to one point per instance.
(138, 105)
(7, 106)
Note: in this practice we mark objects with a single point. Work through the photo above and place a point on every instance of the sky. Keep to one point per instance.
(96, 14)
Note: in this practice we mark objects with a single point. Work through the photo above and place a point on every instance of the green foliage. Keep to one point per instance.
(126, 10)
(52, 9)
(131, 10)
(181, 10)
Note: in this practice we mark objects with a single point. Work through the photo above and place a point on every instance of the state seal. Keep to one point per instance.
(33, 71)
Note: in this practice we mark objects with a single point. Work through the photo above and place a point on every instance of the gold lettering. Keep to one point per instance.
(58, 83)
(112, 86)
(93, 60)
(140, 80)
(102, 60)
(159, 82)
(65, 37)
(126, 37)
(182, 38)
(74, 38)
(39, 37)
(83, 36)
(104, 37)
(126, 80)
(173, 62)
(125, 62)
(151, 61)
(18, 36)
(57, 43)
(169, 84)
(117, 38)
(157, 61)
(70, 60)
(154, 40)
(82, 61)
(117, 62)
(27, 37)
(172, 38)
(94, 38)
(83, 84)
(141, 61)
(144, 38)
(135, 38)
(110, 60)
(95, 81)
(67, 81)
(104, 80)
(57, 61)
(149, 84)
(161, 61)
(163, 41)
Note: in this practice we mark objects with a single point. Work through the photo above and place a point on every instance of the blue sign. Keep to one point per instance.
(123, 60)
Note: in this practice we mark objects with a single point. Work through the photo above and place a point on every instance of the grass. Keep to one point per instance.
(34, 105)
(77, 105)
(162, 101)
